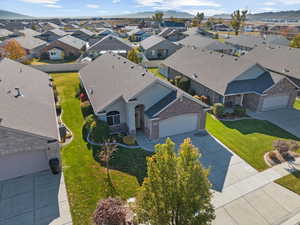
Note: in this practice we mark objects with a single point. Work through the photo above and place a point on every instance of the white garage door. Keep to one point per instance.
(20, 164)
(275, 102)
(178, 125)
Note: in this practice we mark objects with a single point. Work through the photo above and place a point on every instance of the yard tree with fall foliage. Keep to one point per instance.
(14, 50)
(177, 190)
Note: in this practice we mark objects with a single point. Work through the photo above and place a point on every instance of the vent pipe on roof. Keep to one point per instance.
(18, 94)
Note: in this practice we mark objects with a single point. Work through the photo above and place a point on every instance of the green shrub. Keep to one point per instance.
(239, 111)
(86, 108)
(129, 140)
(58, 109)
(218, 109)
(100, 131)
(184, 84)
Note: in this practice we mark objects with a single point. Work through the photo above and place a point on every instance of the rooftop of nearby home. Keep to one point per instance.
(216, 71)
(27, 100)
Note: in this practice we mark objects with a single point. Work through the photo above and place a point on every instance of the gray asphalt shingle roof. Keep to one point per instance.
(161, 104)
(29, 32)
(282, 59)
(110, 42)
(152, 41)
(111, 77)
(29, 42)
(5, 33)
(252, 41)
(33, 111)
(73, 41)
(211, 69)
(199, 41)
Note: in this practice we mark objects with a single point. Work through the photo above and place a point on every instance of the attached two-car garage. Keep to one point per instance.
(22, 163)
(178, 124)
(275, 102)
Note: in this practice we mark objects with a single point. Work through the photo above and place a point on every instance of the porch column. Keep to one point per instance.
(131, 117)
(242, 99)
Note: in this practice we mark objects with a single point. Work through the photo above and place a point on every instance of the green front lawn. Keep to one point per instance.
(297, 104)
(84, 176)
(250, 139)
(156, 72)
(291, 182)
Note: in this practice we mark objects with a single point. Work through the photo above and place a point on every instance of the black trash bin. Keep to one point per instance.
(54, 165)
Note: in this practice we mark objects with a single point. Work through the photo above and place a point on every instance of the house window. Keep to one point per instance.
(153, 52)
(113, 118)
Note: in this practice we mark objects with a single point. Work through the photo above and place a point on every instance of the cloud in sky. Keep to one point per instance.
(176, 4)
(53, 6)
(116, 1)
(41, 1)
(92, 6)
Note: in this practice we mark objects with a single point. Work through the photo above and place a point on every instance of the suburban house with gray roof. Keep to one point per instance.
(83, 34)
(172, 34)
(31, 45)
(4, 34)
(132, 100)
(281, 59)
(109, 43)
(232, 80)
(52, 35)
(157, 47)
(201, 42)
(245, 43)
(29, 135)
(65, 47)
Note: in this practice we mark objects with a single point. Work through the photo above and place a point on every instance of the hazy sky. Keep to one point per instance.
(113, 7)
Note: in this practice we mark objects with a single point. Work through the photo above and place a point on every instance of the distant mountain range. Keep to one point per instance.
(11, 15)
(148, 14)
(282, 15)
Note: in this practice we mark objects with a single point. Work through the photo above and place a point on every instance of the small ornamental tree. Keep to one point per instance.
(110, 211)
(295, 43)
(133, 56)
(14, 50)
(177, 190)
(105, 155)
(237, 20)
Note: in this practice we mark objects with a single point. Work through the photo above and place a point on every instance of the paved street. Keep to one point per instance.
(36, 199)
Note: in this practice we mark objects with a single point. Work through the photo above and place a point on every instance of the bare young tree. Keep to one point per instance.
(108, 148)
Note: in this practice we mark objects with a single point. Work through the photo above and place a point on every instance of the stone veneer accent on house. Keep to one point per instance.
(179, 107)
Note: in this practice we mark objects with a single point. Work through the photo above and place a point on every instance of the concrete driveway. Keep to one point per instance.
(226, 168)
(242, 195)
(287, 119)
(35, 199)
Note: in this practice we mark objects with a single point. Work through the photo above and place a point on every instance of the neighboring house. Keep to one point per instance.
(139, 102)
(28, 123)
(138, 35)
(281, 59)
(109, 43)
(83, 34)
(50, 26)
(156, 47)
(105, 32)
(245, 43)
(232, 80)
(172, 34)
(27, 32)
(180, 26)
(221, 27)
(65, 47)
(201, 42)
(4, 34)
(52, 35)
(31, 45)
